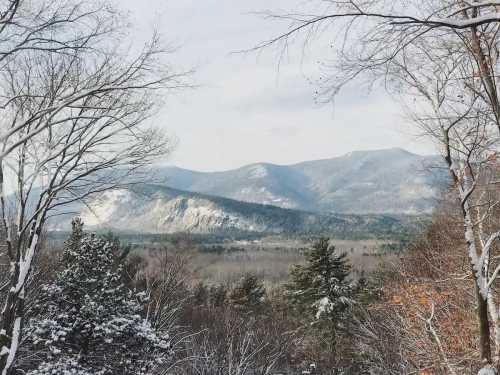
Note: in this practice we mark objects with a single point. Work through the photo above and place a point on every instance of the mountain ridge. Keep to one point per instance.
(159, 209)
(390, 181)
(358, 192)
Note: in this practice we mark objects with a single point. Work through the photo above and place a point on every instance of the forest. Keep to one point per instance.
(79, 110)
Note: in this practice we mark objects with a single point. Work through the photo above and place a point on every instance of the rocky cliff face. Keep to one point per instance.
(157, 209)
(347, 194)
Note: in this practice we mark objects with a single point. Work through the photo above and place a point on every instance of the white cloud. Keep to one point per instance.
(245, 111)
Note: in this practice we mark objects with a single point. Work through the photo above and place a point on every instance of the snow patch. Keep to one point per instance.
(258, 171)
(104, 207)
(489, 370)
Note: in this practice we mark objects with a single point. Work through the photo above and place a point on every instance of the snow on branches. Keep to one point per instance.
(87, 321)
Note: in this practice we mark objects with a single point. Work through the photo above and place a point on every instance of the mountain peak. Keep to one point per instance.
(269, 197)
(388, 181)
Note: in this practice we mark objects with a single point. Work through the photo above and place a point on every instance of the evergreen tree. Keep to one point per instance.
(249, 294)
(88, 321)
(321, 290)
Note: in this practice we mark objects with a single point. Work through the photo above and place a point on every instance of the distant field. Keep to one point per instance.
(215, 259)
(272, 259)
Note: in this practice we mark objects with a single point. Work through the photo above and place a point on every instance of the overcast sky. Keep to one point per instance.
(245, 110)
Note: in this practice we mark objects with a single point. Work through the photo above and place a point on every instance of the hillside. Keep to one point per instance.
(157, 209)
(391, 181)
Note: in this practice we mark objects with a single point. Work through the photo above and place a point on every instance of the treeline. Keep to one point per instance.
(97, 309)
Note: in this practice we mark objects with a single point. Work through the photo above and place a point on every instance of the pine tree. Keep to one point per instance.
(321, 290)
(88, 322)
(249, 294)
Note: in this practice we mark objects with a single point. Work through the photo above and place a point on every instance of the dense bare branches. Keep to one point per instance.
(76, 111)
(374, 38)
(441, 59)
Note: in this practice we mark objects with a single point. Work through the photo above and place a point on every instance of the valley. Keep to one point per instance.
(261, 218)
(250, 187)
(272, 258)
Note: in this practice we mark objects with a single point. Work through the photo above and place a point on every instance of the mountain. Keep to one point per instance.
(392, 181)
(159, 209)
(359, 193)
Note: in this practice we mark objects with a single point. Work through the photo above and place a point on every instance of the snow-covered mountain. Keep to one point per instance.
(159, 209)
(391, 181)
(350, 194)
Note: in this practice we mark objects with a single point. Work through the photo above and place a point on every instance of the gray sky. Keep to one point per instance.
(245, 110)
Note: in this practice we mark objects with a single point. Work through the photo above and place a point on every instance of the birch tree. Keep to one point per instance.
(442, 55)
(444, 98)
(77, 120)
(468, 140)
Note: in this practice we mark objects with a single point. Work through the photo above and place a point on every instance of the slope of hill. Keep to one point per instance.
(391, 181)
(157, 209)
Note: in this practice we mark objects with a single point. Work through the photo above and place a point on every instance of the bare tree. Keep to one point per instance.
(443, 56)
(236, 347)
(166, 282)
(369, 35)
(75, 123)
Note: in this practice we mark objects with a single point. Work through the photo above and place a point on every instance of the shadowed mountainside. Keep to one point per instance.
(391, 181)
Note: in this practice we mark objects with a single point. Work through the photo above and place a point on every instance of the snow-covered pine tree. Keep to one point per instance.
(249, 294)
(88, 322)
(320, 290)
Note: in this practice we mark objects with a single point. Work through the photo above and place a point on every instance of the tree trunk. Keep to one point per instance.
(13, 315)
(484, 328)
(13, 311)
